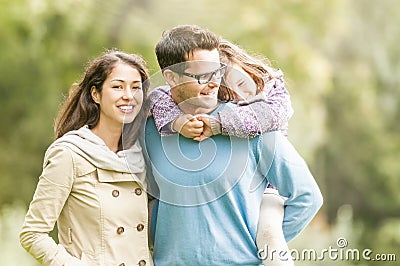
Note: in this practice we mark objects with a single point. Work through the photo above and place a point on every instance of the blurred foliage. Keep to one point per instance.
(11, 253)
(340, 58)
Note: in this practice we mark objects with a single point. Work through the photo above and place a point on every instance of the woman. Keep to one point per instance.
(263, 105)
(97, 199)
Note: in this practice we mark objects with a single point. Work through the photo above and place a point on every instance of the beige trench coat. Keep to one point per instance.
(101, 215)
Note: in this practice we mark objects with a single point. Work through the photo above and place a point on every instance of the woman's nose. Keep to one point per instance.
(128, 94)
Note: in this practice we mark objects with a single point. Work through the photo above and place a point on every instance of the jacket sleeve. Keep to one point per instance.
(267, 111)
(51, 193)
(165, 111)
(288, 172)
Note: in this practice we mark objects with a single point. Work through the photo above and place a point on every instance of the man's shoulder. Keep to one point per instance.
(150, 126)
(273, 143)
(224, 106)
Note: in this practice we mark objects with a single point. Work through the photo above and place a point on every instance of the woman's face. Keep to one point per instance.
(121, 97)
(240, 81)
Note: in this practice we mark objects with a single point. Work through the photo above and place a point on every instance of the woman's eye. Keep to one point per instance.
(118, 87)
(136, 88)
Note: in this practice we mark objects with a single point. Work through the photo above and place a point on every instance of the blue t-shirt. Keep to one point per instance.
(210, 194)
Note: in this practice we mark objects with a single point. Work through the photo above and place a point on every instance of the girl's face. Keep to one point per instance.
(121, 97)
(240, 81)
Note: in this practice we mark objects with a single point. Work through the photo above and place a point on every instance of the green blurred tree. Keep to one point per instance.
(340, 59)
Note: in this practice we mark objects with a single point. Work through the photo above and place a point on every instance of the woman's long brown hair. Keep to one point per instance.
(79, 109)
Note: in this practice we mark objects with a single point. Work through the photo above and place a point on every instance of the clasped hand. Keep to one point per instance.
(196, 127)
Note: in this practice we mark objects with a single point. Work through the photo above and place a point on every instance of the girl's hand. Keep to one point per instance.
(206, 133)
(188, 126)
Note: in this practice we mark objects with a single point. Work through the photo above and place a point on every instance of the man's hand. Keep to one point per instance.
(188, 126)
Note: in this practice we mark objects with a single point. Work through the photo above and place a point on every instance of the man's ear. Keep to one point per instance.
(171, 78)
(95, 94)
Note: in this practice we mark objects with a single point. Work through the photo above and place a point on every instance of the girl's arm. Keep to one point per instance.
(270, 110)
(267, 111)
(169, 118)
(165, 111)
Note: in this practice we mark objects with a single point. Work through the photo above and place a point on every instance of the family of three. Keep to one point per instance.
(208, 178)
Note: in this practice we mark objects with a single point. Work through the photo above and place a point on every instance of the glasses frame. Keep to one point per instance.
(198, 76)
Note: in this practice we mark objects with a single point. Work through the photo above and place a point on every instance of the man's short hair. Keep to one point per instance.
(178, 43)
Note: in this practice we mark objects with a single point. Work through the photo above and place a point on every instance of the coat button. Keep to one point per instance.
(120, 230)
(142, 263)
(115, 193)
(140, 227)
(138, 191)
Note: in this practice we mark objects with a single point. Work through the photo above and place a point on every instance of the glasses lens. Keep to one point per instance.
(205, 78)
(219, 73)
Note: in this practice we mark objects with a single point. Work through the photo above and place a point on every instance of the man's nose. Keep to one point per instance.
(214, 81)
(213, 84)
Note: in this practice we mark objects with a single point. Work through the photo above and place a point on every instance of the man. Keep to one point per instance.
(210, 192)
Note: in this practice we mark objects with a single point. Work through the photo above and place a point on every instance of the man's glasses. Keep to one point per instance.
(206, 77)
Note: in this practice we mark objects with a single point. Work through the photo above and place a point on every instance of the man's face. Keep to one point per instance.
(188, 91)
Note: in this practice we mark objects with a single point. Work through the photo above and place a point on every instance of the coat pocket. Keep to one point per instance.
(73, 261)
(69, 235)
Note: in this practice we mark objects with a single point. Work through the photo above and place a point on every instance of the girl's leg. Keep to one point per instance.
(270, 239)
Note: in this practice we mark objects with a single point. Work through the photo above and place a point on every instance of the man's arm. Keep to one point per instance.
(287, 170)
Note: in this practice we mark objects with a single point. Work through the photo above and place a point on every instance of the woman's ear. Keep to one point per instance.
(95, 94)
(171, 78)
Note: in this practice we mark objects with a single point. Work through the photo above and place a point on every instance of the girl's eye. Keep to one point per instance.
(119, 87)
(241, 84)
(135, 88)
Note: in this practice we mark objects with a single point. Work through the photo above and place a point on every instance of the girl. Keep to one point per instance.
(263, 105)
(97, 199)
